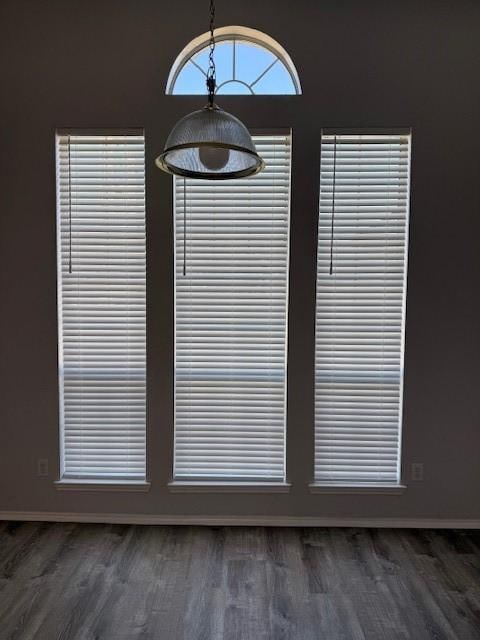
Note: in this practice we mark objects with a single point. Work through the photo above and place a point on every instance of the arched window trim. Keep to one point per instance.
(245, 34)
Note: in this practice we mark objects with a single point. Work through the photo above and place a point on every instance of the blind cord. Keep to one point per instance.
(333, 201)
(184, 226)
(69, 209)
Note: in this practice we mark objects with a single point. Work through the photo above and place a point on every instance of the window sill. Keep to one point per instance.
(367, 489)
(178, 486)
(67, 484)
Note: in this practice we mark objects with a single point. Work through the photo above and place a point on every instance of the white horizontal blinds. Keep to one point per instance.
(231, 322)
(102, 305)
(360, 307)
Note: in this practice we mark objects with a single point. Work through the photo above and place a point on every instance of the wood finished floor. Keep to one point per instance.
(112, 582)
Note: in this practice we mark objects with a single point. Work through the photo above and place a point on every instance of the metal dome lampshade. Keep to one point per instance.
(210, 143)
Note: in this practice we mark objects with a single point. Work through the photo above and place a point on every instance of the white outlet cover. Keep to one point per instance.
(42, 467)
(417, 471)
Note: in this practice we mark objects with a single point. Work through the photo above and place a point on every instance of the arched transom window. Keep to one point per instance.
(247, 62)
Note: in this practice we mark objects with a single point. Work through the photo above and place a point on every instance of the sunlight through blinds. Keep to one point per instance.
(364, 183)
(101, 232)
(231, 322)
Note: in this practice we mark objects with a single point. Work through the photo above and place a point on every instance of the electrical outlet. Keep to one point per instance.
(42, 467)
(417, 471)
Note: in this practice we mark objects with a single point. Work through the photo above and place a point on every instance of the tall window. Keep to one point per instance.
(361, 285)
(101, 298)
(231, 281)
(247, 62)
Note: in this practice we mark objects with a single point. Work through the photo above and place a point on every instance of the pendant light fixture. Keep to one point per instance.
(210, 143)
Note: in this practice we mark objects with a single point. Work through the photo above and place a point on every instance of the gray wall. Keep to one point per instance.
(104, 63)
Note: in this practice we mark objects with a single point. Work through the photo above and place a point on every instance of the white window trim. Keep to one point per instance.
(349, 489)
(125, 485)
(232, 487)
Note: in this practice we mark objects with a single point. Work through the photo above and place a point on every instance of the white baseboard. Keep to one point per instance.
(243, 521)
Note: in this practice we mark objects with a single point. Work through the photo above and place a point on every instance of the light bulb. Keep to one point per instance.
(214, 158)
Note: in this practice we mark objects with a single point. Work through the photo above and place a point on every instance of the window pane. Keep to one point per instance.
(189, 80)
(364, 182)
(231, 322)
(251, 61)
(244, 65)
(101, 233)
(276, 81)
(233, 87)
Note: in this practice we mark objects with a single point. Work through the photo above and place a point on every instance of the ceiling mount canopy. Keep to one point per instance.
(210, 143)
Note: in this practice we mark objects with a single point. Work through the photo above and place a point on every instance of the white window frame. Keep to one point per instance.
(102, 482)
(236, 34)
(220, 484)
(357, 485)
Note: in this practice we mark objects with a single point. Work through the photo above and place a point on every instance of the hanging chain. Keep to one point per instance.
(211, 73)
